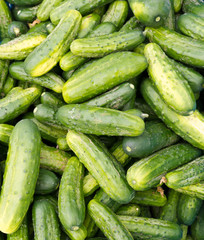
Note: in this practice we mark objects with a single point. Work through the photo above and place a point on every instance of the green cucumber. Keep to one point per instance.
(19, 48)
(197, 230)
(79, 234)
(50, 27)
(148, 172)
(90, 185)
(171, 86)
(24, 2)
(155, 137)
(101, 165)
(9, 84)
(140, 48)
(88, 119)
(117, 13)
(23, 161)
(100, 11)
(15, 104)
(150, 228)
(177, 5)
(131, 24)
(49, 80)
(25, 14)
(145, 212)
(4, 66)
(106, 44)
(172, 43)
(5, 19)
(71, 199)
(149, 198)
(188, 208)
(16, 29)
(5, 133)
(194, 6)
(189, 174)
(145, 108)
(62, 144)
(45, 221)
(151, 13)
(107, 221)
(102, 29)
(47, 182)
(50, 99)
(184, 126)
(40, 27)
(129, 210)
(171, 19)
(48, 54)
(191, 25)
(101, 76)
(21, 233)
(185, 231)
(196, 190)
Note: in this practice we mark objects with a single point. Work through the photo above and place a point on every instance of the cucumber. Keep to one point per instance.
(115, 123)
(191, 25)
(71, 199)
(148, 172)
(151, 13)
(104, 28)
(185, 231)
(106, 44)
(16, 29)
(23, 161)
(196, 190)
(5, 133)
(100, 11)
(197, 230)
(49, 80)
(79, 234)
(62, 144)
(155, 137)
(88, 83)
(140, 48)
(171, 86)
(172, 43)
(25, 14)
(50, 99)
(117, 13)
(188, 208)
(132, 24)
(150, 228)
(40, 27)
(47, 182)
(83, 6)
(45, 221)
(24, 2)
(48, 54)
(177, 5)
(145, 108)
(189, 174)
(15, 104)
(4, 66)
(150, 198)
(194, 6)
(5, 19)
(129, 210)
(171, 19)
(50, 27)
(90, 185)
(184, 126)
(8, 85)
(99, 161)
(107, 221)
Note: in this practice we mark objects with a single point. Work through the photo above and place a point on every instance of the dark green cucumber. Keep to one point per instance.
(102, 29)
(129, 210)
(5, 133)
(102, 166)
(71, 199)
(150, 228)
(23, 161)
(171, 86)
(45, 221)
(8, 85)
(106, 44)
(4, 66)
(185, 126)
(15, 104)
(24, 2)
(47, 182)
(49, 80)
(108, 72)
(189, 174)
(194, 6)
(90, 185)
(150, 198)
(148, 172)
(188, 209)
(177, 5)
(5, 19)
(189, 237)
(191, 25)
(155, 137)
(151, 13)
(83, 6)
(117, 13)
(107, 221)
(21, 233)
(172, 42)
(16, 29)
(100, 11)
(48, 54)
(197, 230)
(50, 99)
(88, 119)
(62, 144)
(25, 14)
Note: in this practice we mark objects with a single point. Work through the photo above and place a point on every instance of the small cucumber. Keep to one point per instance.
(50, 99)
(62, 144)
(25, 14)
(16, 29)
(4, 66)
(5, 133)
(24, 2)
(23, 161)
(5, 19)
(197, 230)
(105, 28)
(9, 84)
(90, 185)
(177, 5)
(129, 210)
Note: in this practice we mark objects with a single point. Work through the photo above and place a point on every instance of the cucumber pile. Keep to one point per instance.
(101, 119)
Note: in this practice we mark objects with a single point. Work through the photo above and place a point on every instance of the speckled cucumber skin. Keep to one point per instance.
(196, 190)
(23, 161)
(193, 6)
(5, 19)
(21, 233)
(107, 221)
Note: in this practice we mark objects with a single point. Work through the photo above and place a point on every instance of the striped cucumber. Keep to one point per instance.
(21, 233)
(23, 161)
(4, 66)
(197, 230)
(5, 19)
(5, 133)
(193, 6)
(90, 185)
(48, 54)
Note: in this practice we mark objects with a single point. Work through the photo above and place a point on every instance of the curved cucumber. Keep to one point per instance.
(23, 161)
(25, 14)
(21, 233)
(5, 19)
(101, 165)
(106, 44)
(5, 133)
(197, 230)
(171, 86)
(48, 54)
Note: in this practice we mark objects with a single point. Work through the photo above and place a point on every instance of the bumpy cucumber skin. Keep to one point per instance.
(48, 54)
(88, 119)
(5, 19)
(98, 160)
(5, 133)
(193, 6)
(21, 233)
(107, 221)
(109, 72)
(155, 137)
(45, 221)
(188, 208)
(4, 66)
(149, 228)
(90, 185)
(178, 46)
(24, 2)
(147, 172)
(197, 230)
(25, 14)
(71, 202)
(184, 126)
(102, 29)
(23, 161)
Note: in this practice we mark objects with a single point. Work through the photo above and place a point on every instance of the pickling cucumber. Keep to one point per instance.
(25, 14)
(5, 19)
(5, 133)
(16, 29)
(21, 233)
(197, 230)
